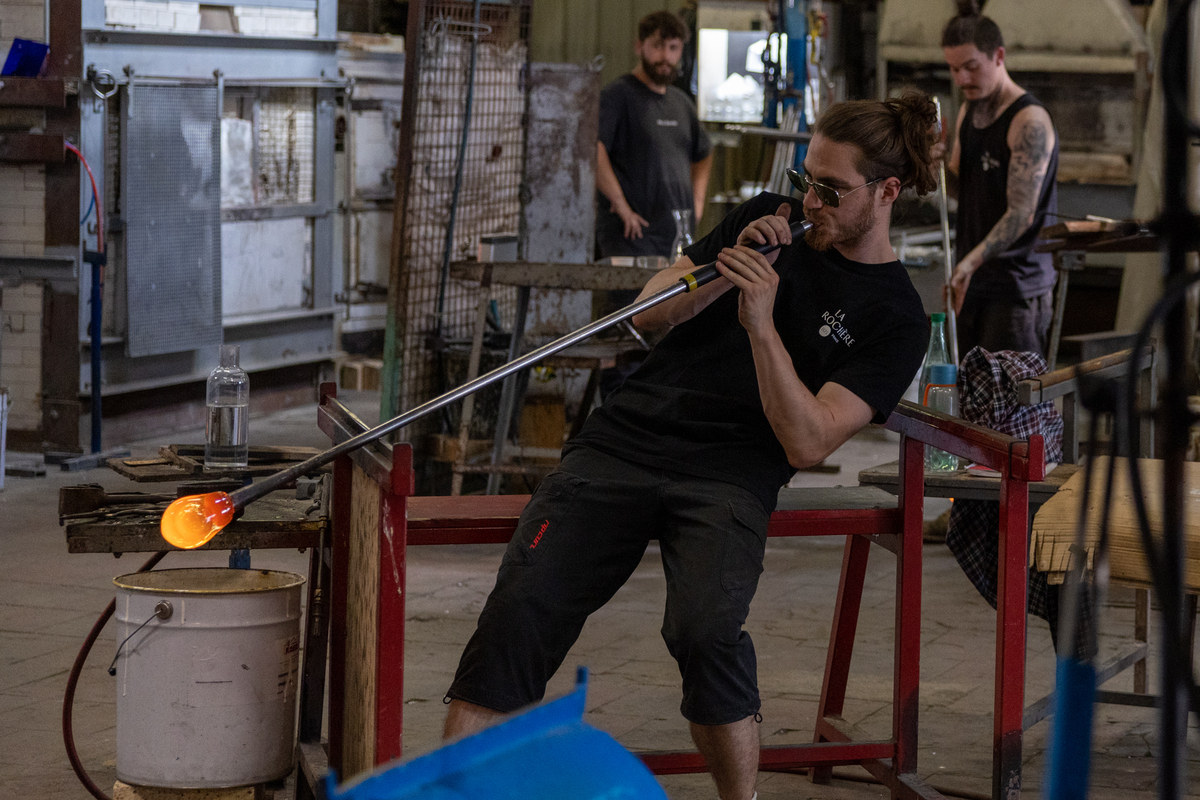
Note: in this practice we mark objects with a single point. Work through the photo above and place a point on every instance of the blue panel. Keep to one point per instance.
(546, 753)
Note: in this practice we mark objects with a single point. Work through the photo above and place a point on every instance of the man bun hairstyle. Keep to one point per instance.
(971, 27)
(665, 24)
(894, 137)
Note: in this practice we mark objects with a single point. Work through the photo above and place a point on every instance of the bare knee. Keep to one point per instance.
(465, 719)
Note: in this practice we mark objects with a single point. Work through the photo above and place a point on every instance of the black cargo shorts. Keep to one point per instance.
(579, 539)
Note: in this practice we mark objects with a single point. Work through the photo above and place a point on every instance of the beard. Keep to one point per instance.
(849, 232)
(661, 73)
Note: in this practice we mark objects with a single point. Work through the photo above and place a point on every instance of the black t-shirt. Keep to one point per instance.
(652, 141)
(983, 199)
(694, 406)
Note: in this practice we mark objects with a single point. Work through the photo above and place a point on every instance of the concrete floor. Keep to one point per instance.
(49, 600)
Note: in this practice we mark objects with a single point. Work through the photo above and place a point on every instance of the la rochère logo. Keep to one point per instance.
(834, 327)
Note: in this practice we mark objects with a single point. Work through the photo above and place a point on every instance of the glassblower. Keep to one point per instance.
(191, 521)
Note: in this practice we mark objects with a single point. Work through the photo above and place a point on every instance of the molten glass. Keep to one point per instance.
(191, 521)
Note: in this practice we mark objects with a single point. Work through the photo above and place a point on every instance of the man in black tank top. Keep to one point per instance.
(1002, 170)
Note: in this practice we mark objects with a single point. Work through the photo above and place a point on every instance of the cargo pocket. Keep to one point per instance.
(548, 515)
(745, 544)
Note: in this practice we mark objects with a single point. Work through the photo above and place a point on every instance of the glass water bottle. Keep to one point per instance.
(941, 394)
(937, 353)
(683, 232)
(226, 433)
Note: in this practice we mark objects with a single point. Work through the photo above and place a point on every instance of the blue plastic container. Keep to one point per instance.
(25, 59)
(546, 752)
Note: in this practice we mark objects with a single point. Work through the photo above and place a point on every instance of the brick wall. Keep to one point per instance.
(22, 233)
(25, 19)
(22, 229)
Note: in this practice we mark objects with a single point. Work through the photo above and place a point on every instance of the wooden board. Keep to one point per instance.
(180, 461)
(555, 276)
(126, 791)
(362, 603)
(1054, 525)
(1095, 236)
(278, 520)
(962, 485)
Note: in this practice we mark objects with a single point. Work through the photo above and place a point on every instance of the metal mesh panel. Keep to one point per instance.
(114, 246)
(489, 196)
(284, 150)
(171, 199)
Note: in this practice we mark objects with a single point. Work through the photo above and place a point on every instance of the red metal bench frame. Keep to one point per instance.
(407, 520)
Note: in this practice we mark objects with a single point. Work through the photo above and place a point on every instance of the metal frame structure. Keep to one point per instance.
(271, 339)
(376, 85)
(373, 491)
(454, 180)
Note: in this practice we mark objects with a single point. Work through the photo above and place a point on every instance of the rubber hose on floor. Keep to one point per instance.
(73, 681)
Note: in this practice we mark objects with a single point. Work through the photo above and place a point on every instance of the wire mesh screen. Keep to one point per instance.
(114, 245)
(284, 151)
(171, 192)
(440, 312)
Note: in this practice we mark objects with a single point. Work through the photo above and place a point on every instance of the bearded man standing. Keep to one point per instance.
(653, 156)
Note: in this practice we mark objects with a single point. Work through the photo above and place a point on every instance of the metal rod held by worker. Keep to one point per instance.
(951, 317)
(690, 282)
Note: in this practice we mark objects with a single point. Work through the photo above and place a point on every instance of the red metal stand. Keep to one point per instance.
(1019, 463)
(405, 520)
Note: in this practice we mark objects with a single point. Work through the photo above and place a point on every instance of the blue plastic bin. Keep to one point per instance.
(546, 752)
(25, 59)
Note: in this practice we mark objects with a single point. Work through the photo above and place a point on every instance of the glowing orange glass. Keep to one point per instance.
(191, 521)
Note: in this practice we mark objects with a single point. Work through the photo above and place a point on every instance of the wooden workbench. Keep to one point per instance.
(960, 484)
(277, 521)
(553, 276)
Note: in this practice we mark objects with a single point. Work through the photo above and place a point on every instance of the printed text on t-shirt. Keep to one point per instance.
(835, 328)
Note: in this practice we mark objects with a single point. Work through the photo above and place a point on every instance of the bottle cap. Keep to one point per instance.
(938, 316)
(943, 374)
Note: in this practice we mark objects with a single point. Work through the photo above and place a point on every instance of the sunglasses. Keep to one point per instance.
(828, 195)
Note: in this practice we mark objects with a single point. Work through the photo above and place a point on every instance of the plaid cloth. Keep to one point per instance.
(987, 386)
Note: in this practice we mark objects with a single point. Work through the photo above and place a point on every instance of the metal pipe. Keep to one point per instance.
(96, 340)
(775, 134)
(687, 283)
(951, 317)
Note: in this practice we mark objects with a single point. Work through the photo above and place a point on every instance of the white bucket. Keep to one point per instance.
(206, 698)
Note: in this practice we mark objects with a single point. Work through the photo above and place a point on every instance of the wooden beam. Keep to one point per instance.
(35, 148)
(33, 92)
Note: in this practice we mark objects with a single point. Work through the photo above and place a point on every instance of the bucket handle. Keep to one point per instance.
(162, 610)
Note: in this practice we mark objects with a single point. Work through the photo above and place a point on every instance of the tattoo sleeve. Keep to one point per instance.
(1027, 167)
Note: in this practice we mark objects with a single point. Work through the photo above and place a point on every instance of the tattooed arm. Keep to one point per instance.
(1030, 140)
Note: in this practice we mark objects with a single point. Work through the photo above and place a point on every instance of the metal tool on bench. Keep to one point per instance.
(191, 521)
(947, 256)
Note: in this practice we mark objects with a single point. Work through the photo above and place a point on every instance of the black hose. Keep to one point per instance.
(1172, 294)
(73, 682)
(1165, 584)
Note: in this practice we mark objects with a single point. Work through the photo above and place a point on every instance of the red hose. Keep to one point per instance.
(95, 194)
(73, 681)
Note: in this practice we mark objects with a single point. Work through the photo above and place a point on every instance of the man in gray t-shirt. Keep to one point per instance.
(653, 156)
